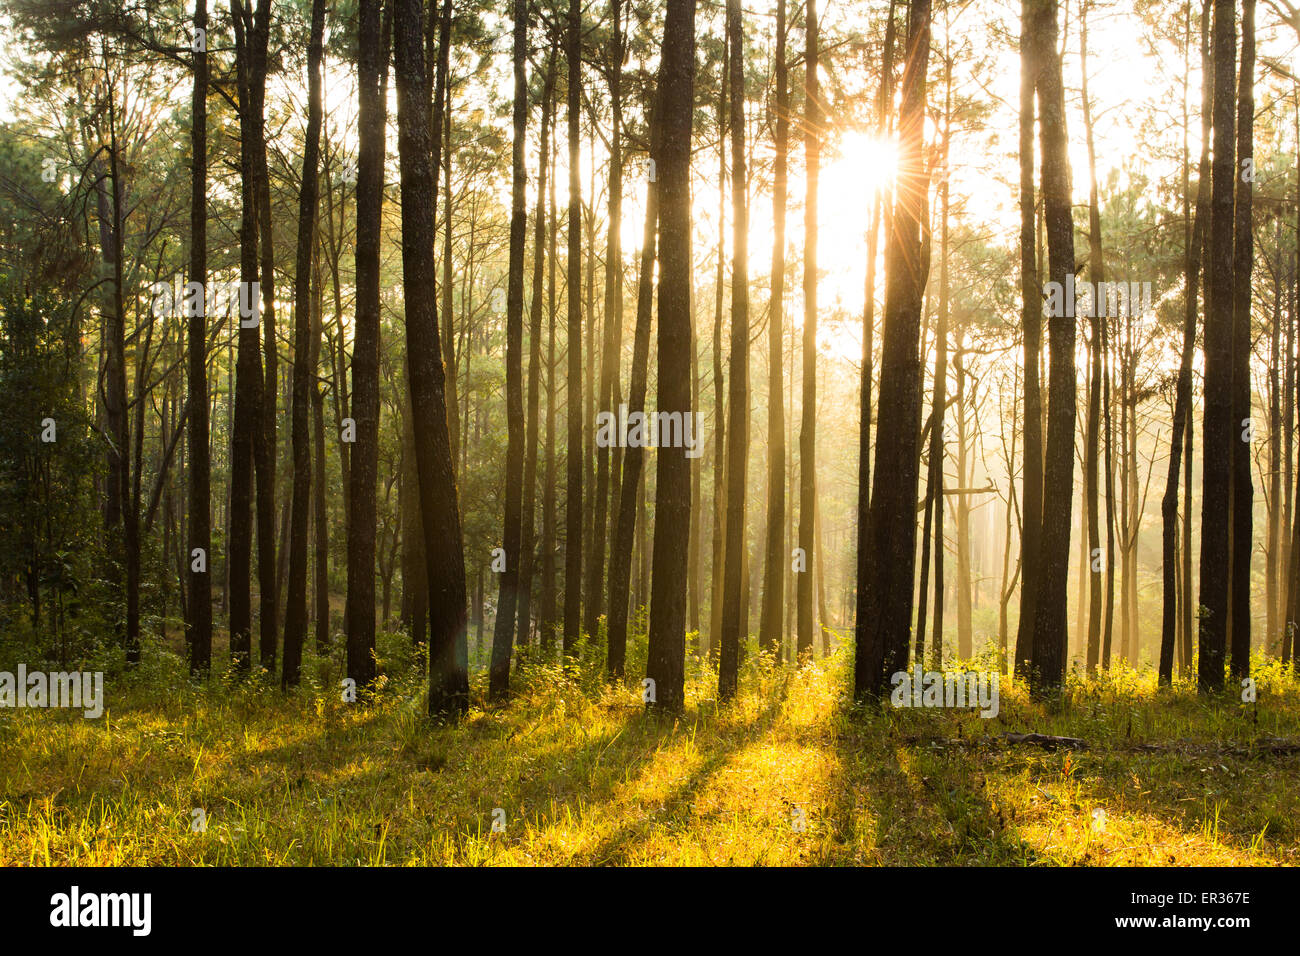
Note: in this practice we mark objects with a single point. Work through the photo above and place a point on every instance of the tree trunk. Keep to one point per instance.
(717, 543)
(632, 482)
(507, 601)
(199, 603)
(527, 538)
(808, 425)
(547, 619)
(250, 60)
(774, 551)
(613, 321)
(573, 486)
(1050, 631)
(439, 505)
(738, 387)
(1217, 446)
(883, 641)
(666, 658)
(265, 440)
(884, 101)
(1192, 231)
(1032, 319)
(1243, 494)
(295, 621)
(1092, 439)
(320, 515)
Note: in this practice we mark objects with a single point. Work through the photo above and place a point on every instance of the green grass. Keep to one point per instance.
(585, 776)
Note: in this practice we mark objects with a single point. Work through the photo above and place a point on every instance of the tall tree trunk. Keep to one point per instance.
(439, 505)
(527, 538)
(123, 516)
(1217, 448)
(250, 74)
(547, 618)
(360, 608)
(632, 483)
(265, 443)
(507, 601)
(1243, 493)
(199, 603)
(573, 486)
(1112, 515)
(808, 425)
(1050, 632)
(320, 515)
(666, 657)
(965, 598)
(717, 542)
(883, 642)
(1031, 54)
(415, 597)
(295, 621)
(884, 105)
(774, 551)
(1092, 439)
(738, 387)
(1192, 231)
(613, 321)
(1274, 497)
(449, 353)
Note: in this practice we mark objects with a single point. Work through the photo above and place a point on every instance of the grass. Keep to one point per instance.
(789, 774)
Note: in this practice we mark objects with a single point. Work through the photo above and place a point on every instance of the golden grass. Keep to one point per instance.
(788, 775)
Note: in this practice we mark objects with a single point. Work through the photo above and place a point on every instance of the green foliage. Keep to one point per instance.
(47, 541)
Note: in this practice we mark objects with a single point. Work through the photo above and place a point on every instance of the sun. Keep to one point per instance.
(867, 160)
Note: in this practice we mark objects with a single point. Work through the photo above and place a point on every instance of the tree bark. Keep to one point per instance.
(439, 505)
(199, 603)
(1032, 320)
(508, 596)
(808, 425)
(250, 74)
(738, 387)
(1183, 399)
(295, 621)
(774, 560)
(883, 642)
(1217, 446)
(1243, 493)
(1050, 631)
(527, 538)
(666, 658)
(573, 416)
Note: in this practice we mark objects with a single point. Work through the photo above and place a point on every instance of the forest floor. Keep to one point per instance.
(576, 773)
